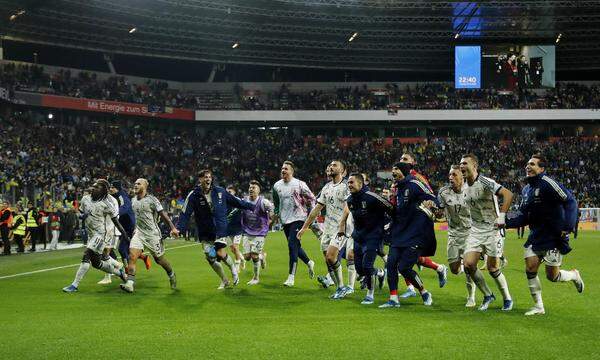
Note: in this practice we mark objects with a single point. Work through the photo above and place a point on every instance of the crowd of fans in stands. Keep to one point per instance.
(64, 159)
(427, 96)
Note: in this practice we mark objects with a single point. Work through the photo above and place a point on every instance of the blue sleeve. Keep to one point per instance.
(123, 203)
(236, 202)
(188, 209)
(518, 218)
(571, 211)
(420, 194)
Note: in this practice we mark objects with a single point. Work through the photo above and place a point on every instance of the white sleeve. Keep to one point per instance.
(112, 207)
(267, 206)
(307, 194)
(321, 199)
(441, 200)
(156, 204)
(490, 184)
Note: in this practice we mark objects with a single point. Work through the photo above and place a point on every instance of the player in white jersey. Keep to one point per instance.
(111, 244)
(333, 199)
(452, 201)
(234, 232)
(100, 211)
(292, 198)
(487, 232)
(147, 234)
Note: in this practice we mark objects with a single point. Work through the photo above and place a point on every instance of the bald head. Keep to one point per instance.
(140, 187)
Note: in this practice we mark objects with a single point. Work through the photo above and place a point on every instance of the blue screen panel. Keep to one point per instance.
(467, 67)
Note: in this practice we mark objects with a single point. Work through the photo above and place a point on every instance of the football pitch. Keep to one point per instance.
(269, 321)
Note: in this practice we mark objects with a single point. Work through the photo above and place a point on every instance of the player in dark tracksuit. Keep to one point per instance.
(550, 211)
(368, 211)
(412, 232)
(126, 217)
(209, 204)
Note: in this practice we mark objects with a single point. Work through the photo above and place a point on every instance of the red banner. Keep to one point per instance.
(114, 107)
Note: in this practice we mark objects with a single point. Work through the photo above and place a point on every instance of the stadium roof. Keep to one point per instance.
(384, 34)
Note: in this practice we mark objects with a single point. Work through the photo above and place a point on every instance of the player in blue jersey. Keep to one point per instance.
(550, 211)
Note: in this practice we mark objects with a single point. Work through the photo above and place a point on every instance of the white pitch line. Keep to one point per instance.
(73, 265)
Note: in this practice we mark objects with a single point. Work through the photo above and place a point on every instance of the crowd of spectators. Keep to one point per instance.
(63, 159)
(425, 96)
(85, 84)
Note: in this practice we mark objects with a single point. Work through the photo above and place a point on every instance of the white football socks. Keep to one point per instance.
(84, 267)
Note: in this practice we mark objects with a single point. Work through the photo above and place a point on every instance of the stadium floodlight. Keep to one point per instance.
(235, 45)
(14, 16)
(558, 37)
(50, 116)
(132, 30)
(353, 37)
(456, 36)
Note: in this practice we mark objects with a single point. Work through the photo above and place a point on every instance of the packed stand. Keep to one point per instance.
(33, 78)
(34, 156)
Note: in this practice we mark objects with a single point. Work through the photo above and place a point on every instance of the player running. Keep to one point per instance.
(209, 204)
(367, 209)
(292, 199)
(550, 211)
(147, 233)
(452, 201)
(234, 232)
(423, 261)
(332, 198)
(412, 233)
(255, 224)
(100, 210)
(487, 229)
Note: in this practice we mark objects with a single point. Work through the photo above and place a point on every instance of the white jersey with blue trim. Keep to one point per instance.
(483, 203)
(333, 198)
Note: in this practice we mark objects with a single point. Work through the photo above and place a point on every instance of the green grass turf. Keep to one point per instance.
(269, 321)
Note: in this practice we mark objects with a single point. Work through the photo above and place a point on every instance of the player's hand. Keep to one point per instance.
(174, 233)
(501, 221)
(301, 232)
(428, 204)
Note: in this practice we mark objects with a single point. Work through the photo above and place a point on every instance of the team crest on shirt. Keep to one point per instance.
(364, 204)
(536, 192)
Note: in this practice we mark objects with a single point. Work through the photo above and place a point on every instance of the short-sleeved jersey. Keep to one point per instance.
(99, 216)
(456, 209)
(333, 198)
(483, 203)
(292, 200)
(146, 212)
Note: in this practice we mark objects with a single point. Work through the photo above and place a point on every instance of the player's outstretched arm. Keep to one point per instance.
(311, 218)
(236, 202)
(119, 227)
(188, 209)
(165, 217)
